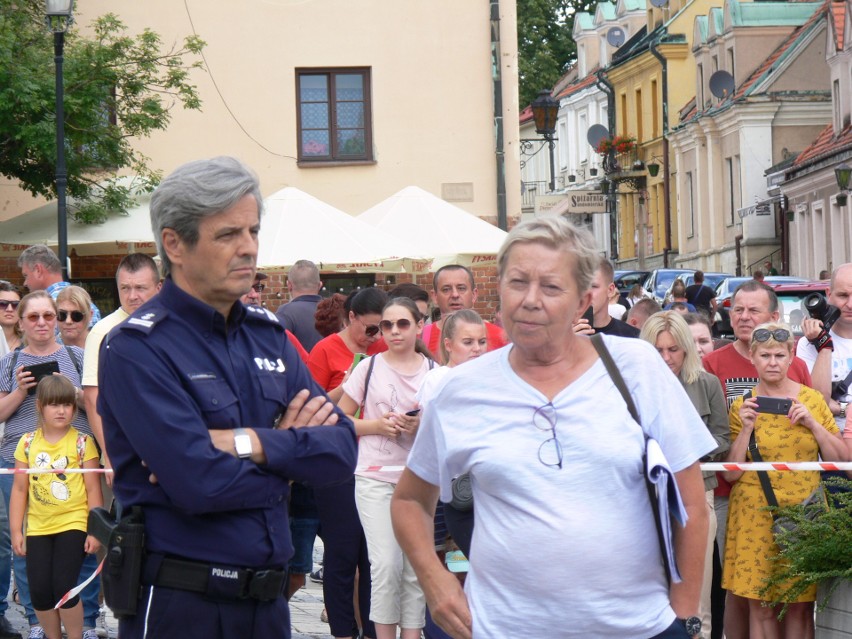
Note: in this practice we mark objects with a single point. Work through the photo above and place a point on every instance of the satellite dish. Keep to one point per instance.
(659, 3)
(616, 36)
(596, 133)
(721, 84)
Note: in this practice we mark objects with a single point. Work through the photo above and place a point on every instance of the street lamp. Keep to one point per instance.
(59, 17)
(545, 108)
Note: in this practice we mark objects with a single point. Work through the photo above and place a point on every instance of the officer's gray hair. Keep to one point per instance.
(40, 254)
(195, 191)
(560, 234)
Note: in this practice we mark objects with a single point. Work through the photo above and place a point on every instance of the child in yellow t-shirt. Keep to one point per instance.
(57, 506)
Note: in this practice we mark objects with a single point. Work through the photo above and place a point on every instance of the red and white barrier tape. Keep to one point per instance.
(76, 590)
(54, 471)
(716, 466)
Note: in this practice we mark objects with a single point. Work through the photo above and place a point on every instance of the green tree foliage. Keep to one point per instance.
(117, 87)
(545, 45)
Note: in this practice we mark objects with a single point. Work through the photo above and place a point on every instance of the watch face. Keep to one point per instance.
(242, 444)
(693, 626)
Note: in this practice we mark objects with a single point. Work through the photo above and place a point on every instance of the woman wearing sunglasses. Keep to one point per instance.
(346, 566)
(805, 432)
(387, 427)
(74, 311)
(11, 335)
(37, 313)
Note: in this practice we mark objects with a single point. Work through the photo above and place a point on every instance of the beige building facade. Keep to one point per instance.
(350, 102)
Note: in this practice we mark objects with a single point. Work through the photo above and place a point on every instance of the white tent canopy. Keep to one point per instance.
(437, 228)
(119, 234)
(297, 226)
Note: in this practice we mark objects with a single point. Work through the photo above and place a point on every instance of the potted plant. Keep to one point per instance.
(620, 144)
(819, 551)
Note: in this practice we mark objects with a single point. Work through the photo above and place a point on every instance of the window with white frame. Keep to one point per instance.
(582, 127)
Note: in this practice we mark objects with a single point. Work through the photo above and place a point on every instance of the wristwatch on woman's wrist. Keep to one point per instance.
(842, 412)
(692, 625)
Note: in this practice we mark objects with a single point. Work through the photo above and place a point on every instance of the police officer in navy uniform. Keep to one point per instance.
(208, 412)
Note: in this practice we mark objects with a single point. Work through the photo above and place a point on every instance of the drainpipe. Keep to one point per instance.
(667, 204)
(604, 85)
(497, 79)
(738, 247)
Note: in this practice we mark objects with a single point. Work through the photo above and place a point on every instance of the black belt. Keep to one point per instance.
(220, 582)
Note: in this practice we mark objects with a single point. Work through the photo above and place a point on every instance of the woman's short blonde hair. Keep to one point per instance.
(772, 326)
(79, 297)
(560, 234)
(673, 323)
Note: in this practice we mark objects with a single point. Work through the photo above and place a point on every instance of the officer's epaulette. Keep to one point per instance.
(260, 313)
(145, 322)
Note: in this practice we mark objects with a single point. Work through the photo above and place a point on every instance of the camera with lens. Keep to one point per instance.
(818, 308)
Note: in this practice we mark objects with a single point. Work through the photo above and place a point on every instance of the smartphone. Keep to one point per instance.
(41, 370)
(774, 405)
(358, 358)
(590, 315)
(413, 413)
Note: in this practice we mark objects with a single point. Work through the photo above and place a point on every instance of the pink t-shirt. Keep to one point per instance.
(389, 391)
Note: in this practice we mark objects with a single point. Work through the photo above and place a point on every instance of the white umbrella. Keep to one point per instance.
(297, 226)
(449, 234)
(120, 233)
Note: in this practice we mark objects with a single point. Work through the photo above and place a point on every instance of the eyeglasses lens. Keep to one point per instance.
(403, 324)
(47, 317)
(550, 451)
(779, 334)
(76, 316)
(259, 288)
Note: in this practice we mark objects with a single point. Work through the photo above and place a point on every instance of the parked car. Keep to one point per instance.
(725, 291)
(791, 297)
(661, 279)
(710, 279)
(625, 280)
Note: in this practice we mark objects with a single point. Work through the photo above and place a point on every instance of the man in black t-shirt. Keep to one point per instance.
(702, 297)
(602, 287)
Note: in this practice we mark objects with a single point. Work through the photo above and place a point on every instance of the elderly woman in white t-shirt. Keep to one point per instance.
(556, 465)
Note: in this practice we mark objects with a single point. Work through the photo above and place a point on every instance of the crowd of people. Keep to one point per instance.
(239, 435)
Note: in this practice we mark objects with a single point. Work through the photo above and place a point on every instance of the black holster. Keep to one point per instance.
(124, 541)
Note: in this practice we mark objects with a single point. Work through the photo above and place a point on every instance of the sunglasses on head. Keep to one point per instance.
(258, 288)
(8, 303)
(76, 316)
(403, 324)
(49, 316)
(763, 335)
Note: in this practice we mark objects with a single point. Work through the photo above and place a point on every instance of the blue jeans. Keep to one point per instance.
(89, 596)
(675, 631)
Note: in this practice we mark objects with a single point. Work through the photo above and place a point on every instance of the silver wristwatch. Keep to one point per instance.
(242, 443)
(842, 412)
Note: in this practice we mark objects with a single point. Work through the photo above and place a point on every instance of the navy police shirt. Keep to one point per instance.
(177, 369)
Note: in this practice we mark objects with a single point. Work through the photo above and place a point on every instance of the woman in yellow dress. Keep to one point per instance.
(807, 431)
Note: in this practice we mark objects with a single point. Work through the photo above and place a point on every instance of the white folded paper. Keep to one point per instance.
(668, 499)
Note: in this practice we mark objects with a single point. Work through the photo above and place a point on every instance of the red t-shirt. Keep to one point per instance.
(432, 339)
(331, 358)
(738, 376)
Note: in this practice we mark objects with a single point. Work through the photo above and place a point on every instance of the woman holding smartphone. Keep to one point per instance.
(37, 314)
(346, 562)
(383, 389)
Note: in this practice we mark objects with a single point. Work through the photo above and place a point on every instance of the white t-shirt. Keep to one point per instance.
(841, 363)
(389, 391)
(587, 528)
(430, 384)
(93, 344)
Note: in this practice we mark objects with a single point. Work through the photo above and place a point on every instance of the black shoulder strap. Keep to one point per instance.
(367, 381)
(75, 362)
(618, 380)
(615, 375)
(762, 475)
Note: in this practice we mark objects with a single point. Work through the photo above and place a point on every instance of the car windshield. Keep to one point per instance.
(664, 280)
